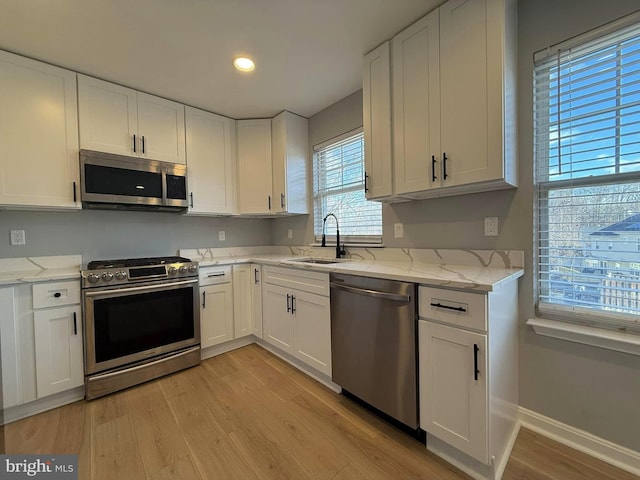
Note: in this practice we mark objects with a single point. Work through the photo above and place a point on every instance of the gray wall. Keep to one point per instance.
(592, 389)
(96, 234)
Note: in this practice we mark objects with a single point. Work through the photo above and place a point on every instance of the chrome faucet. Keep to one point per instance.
(340, 252)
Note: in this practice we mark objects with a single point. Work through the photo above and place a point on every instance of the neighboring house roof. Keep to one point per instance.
(629, 224)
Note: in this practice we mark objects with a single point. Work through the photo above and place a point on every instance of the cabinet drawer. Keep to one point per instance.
(460, 309)
(214, 275)
(312, 282)
(56, 294)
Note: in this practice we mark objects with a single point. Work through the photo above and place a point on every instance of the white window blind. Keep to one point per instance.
(338, 188)
(587, 157)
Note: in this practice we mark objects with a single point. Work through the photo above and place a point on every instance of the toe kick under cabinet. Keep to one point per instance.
(468, 376)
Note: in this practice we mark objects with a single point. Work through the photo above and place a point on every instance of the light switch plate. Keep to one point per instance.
(222, 235)
(18, 237)
(290, 233)
(398, 230)
(491, 226)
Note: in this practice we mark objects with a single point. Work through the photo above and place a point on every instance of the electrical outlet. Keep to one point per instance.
(222, 236)
(491, 226)
(398, 230)
(290, 233)
(17, 237)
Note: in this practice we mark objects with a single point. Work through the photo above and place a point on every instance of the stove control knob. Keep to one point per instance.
(93, 278)
(183, 269)
(193, 268)
(107, 276)
(173, 270)
(121, 275)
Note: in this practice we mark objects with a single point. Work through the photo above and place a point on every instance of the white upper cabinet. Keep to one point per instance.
(290, 153)
(254, 167)
(211, 162)
(376, 99)
(39, 164)
(477, 71)
(116, 119)
(454, 124)
(416, 106)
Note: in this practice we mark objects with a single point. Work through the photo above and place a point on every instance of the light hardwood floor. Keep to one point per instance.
(248, 415)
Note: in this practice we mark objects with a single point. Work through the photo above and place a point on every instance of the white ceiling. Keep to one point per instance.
(308, 53)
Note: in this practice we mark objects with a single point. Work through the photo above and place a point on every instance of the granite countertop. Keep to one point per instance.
(468, 277)
(39, 269)
(481, 271)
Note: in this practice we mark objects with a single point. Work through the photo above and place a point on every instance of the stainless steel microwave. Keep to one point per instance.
(111, 181)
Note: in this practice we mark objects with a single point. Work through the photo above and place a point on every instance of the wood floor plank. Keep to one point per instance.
(159, 438)
(248, 415)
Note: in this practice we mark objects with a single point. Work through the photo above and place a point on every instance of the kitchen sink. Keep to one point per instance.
(319, 261)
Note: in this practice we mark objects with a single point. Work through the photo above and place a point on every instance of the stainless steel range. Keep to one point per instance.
(142, 321)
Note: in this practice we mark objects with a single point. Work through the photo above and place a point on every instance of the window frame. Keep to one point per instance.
(594, 317)
(318, 206)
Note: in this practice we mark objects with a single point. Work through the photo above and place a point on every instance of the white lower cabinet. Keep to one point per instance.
(58, 344)
(216, 306)
(42, 342)
(453, 398)
(242, 304)
(256, 300)
(295, 320)
(468, 376)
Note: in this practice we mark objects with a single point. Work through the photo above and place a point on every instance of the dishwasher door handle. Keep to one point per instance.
(372, 293)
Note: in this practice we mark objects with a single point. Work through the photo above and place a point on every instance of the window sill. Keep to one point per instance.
(596, 337)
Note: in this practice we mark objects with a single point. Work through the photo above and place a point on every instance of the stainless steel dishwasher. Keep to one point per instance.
(373, 343)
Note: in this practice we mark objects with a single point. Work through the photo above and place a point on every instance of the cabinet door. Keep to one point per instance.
(254, 166)
(290, 150)
(211, 162)
(471, 90)
(108, 117)
(216, 314)
(312, 330)
(161, 129)
(58, 343)
(242, 304)
(9, 332)
(416, 106)
(38, 134)
(453, 403)
(376, 104)
(256, 286)
(277, 320)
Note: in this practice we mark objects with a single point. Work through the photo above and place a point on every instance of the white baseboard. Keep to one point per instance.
(502, 465)
(19, 412)
(609, 452)
(216, 350)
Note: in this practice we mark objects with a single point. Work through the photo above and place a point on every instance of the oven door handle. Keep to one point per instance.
(145, 288)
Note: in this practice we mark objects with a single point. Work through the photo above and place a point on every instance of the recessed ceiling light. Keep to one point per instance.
(244, 64)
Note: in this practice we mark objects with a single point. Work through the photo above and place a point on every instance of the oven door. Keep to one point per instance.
(128, 324)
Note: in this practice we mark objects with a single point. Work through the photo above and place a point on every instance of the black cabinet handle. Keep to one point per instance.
(433, 168)
(282, 200)
(255, 276)
(444, 165)
(75, 324)
(75, 196)
(142, 138)
(57, 294)
(134, 143)
(288, 306)
(475, 361)
(269, 200)
(191, 199)
(293, 304)
(204, 299)
(457, 309)
(366, 177)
